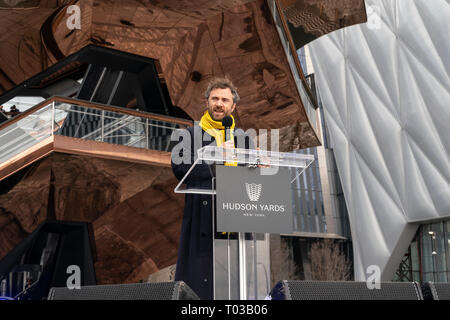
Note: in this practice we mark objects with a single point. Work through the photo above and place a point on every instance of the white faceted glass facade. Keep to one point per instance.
(385, 91)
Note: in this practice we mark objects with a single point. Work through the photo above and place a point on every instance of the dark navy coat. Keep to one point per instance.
(195, 253)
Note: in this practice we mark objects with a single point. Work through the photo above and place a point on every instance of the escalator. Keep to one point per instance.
(42, 260)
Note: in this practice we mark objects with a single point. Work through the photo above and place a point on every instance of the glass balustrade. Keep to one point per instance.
(86, 122)
(25, 133)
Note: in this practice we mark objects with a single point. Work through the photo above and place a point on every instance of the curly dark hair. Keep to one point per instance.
(222, 83)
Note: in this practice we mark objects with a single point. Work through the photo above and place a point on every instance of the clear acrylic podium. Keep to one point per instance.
(242, 260)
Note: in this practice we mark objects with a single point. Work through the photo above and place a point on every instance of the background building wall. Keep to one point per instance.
(385, 89)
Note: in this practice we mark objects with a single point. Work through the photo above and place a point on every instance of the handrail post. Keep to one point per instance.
(103, 124)
(146, 134)
(53, 117)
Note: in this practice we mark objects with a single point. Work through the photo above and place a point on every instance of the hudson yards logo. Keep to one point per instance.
(254, 194)
(253, 191)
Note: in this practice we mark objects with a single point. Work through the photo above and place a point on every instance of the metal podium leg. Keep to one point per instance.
(255, 267)
(229, 265)
(242, 268)
(213, 183)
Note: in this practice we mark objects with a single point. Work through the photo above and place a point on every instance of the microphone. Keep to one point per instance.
(227, 122)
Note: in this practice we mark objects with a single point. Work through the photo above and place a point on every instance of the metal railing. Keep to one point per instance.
(88, 121)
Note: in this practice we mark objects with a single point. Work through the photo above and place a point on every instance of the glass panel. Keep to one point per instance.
(447, 248)
(80, 122)
(415, 267)
(212, 154)
(430, 253)
(159, 134)
(434, 253)
(123, 129)
(226, 267)
(439, 246)
(114, 127)
(25, 133)
(427, 257)
(22, 103)
(258, 265)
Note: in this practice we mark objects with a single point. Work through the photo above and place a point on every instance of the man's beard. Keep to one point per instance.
(211, 113)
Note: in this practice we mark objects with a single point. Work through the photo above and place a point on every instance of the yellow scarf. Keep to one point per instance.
(217, 130)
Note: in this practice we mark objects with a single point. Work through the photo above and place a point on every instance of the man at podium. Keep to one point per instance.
(195, 254)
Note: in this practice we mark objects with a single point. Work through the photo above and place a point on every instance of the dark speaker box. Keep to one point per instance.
(137, 291)
(436, 290)
(344, 290)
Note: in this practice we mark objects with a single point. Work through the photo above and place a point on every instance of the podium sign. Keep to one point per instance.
(248, 201)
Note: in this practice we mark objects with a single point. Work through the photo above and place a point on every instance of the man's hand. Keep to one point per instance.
(265, 160)
(228, 144)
